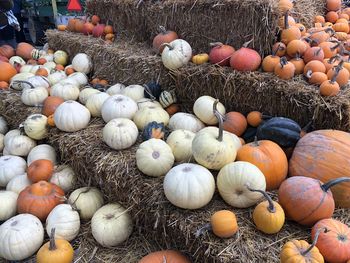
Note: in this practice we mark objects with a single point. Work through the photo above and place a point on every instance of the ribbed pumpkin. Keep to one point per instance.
(235, 122)
(168, 256)
(50, 105)
(7, 51)
(245, 59)
(324, 155)
(7, 71)
(220, 54)
(24, 50)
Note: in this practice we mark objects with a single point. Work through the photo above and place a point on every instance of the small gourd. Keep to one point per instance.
(153, 130)
(167, 98)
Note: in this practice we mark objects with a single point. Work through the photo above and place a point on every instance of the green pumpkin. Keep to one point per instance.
(153, 130)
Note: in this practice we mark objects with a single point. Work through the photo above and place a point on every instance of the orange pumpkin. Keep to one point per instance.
(224, 223)
(332, 16)
(42, 72)
(4, 85)
(69, 70)
(245, 59)
(296, 47)
(284, 69)
(172, 109)
(333, 5)
(299, 65)
(71, 24)
(50, 105)
(108, 29)
(340, 73)
(319, 19)
(341, 27)
(279, 49)
(51, 121)
(254, 118)
(7, 51)
(110, 37)
(61, 27)
(7, 71)
(269, 62)
(285, 5)
(269, 158)
(330, 63)
(313, 53)
(329, 88)
(42, 61)
(235, 122)
(323, 155)
(302, 29)
(88, 28)
(329, 49)
(316, 78)
(168, 256)
(39, 199)
(59, 67)
(24, 50)
(40, 170)
(291, 21)
(314, 66)
(79, 26)
(220, 54)
(95, 19)
(165, 36)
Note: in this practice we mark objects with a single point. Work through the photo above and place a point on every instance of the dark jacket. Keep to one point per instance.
(5, 5)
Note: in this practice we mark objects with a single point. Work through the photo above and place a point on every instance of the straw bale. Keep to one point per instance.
(306, 10)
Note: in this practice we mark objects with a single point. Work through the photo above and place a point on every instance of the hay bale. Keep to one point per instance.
(199, 22)
(306, 10)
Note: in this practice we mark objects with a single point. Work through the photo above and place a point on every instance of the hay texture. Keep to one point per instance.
(200, 22)
(306, 10)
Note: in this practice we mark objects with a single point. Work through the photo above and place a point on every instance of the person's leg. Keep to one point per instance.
(7, 36)
(20, 37)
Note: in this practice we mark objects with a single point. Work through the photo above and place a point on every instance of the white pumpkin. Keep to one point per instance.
(116, 89)
(48, 57)
(8, 204)
(60, 57)
(65, 91)
(26, 69)
(94, 103)
(64, 177)
(71, 116)
(185, 121)
(203, 109)
(35, 126)
(154, 157)
(70, 81)
(145, 102)
(180, 142)
(233, 180)
(3, 125)
(34, 97)
(148, 114)
(118, 106)
(36, 81)
(37, 53)
(51, 66)
(42, 151)
(16, 81)
(86, 93)
(135, 92)
(167, 98)
(20, 237)
(5, 152)
(111, 225)
(87, 200)
(80, 77)
(120, 133)
(18, 183)
(17, 60)
(2, 142)
(10, 134)
(176, 54)
(20, 145)
(65, 220)
(189, 186)
(56, 77)
(82, 63)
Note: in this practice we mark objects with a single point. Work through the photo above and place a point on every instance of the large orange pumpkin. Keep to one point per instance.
(269, 158)
(7, 71)
(50, 105)
(324, 155)
(334, 243)
(7, 51)
(245, 59)
(24, 50)
(40, 170)
(235, 122)
(165, 36)
(39, 199)
(168, 256)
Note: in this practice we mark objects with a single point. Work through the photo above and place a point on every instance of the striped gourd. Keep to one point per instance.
(36, 53)
(167, 98)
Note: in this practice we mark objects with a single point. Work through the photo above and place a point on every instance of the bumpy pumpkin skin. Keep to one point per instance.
(291, 253)
(269, 158)
(324, 155)
(171, 256)
(266, 221)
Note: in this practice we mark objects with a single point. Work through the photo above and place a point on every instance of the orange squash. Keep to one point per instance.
(24, 50)
(314, 66)
(299, 65)
(329, 88)
(7, 51)
(332, 16)
(40, 170)
(333, 5)
(289, 33)
(224, 223)
(279, 49)
(284, 69)
(316, 78)
(7, 71)
(165, 36)
(329, 49)
(296, 47)
(50, 105)
(340, 73)
(254, 118)
(235, 122)
(4, 85)
(168, 256)
(314, 53)
(61, 27)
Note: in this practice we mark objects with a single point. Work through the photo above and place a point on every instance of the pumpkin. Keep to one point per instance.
(203, 109)
(2, 143)
(94, 103)
(289, 33)
(24, 50)
(87, 200)
(200, 59)
(172, 109)
(153, 130)
(95, 19)
(79, 77)
(329, 88)
(15, 234)
(269, 63)
(71, 116)
(296, 47)
(3, 125)
(11, 134)
(64, 177)
(19, 145)
(245, 59)
(152, 90)
(115, 89)
(65, 91)
(167, 98)
(55, 251)
(65, 220)
(334, 242)
(18, 183)
(307, 205)
(42, 151)
(340, 74)
(299, 65)
(284, 6)
(314, 66)
(329, 49)
(8, 204)
(17, 80)
(144, 102)
(82, 63)
(60, 57)
(283, 131)
(148, 114)
(301, 251)
(34, 96)
(7, 71)
(170, 256)
(154, 157)
(224, 223)
(98, 30)
(235, 122)
(180, 142)
(316, 78)
(16, 60)
(165, 36)
(118, 106)
(50, 105)
(284, 69)
(35, 126)
(56, 77)
(120, 133)
(4, 85)
(7, 51)
(314, 53)
(323, 155)
(333, 5)
(189, 186)
(220, 54)
(86, 93)
(279, 48)
(185, 121)
(40, 170)
(111, 225)
(134, 92)
(176, 54)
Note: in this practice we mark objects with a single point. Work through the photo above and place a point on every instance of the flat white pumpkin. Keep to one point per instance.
(64, 177)
(176, 54)
(80, 77)
(8, 204)
(71, 116)
(203, 109)
(20, 237)
(145, 102)
(16, 81)
(82, 63)
(26, 69)
(118, 106)
(65, 220)
(3, 125)
(233, 182)
(34, 97)
(10, 134)
(148, 114)
(115, 89)
(135, 92)
(120, 133)
(60, 57)
(154, 157)
(56, 77)
(94, 103)
(35, 81)
(87, 200)
(111, 225)
(17, 60)
(180, 142)
(19, 145)
(86, 93)
(189, 186)
(65, 91)
(185, 121)
(10, 166)
(18, 183)
(50, 65)
(2, 142)
(35, 126)
(42, 151)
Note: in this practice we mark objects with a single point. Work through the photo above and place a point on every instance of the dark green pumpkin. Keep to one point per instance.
(152, 90)
(153, 130)
(249, 134)
(283, 131)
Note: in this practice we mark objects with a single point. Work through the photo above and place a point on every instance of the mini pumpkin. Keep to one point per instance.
(220, 54)
(153, 130)
(284, 69)
(40, 170)
(224, 223)
(165, 255)
(165, 36)
(200, 59)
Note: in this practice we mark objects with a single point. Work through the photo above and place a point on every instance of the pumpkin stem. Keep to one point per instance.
(246, 44)
(52, 245)
(324, 230)
(220, 119)
(83, 192)
(23, 81)
(335, 46)
(256, 142)
(274, 51)
(148, 91)
(164, 259)
(286, 22)
(318, 51)
(206, 227)
(325, 187)
(271, 208)
(330, 31)
(162, 29)
(167, 45)
(334, 58)
(308, 73)
(283, 61)
(308, 126)
(215, 44)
